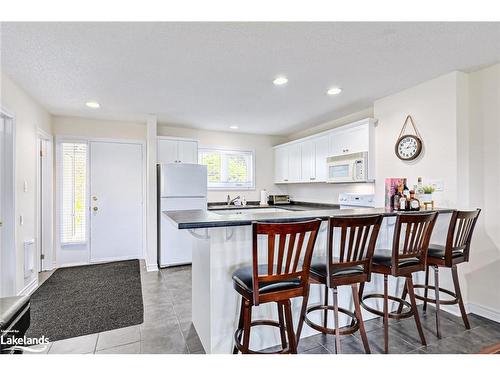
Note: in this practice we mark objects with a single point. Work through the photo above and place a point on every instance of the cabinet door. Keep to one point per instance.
(348, 141)
(308, 161)
(357, 139)
(321, 153)
(187, 152)
(294, 163)
(167, 151)
(281, 164)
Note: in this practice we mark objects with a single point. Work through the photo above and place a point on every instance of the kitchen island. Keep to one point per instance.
(222, 242)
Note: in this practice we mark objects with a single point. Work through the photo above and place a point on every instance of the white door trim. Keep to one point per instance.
(45, 228)
(63, 138)
(9, 236)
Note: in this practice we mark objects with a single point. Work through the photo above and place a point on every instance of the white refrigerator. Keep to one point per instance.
(180, 187)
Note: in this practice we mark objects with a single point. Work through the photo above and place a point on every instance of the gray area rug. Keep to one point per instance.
(82, 300)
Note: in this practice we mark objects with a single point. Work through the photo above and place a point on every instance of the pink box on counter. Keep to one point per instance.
(391, 186)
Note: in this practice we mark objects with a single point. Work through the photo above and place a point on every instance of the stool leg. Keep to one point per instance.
(336, 319)
(403, 297)
(386, 316)
(426, 286)
(325, 313)
(411, 292)
(436, 290)
(240, 322)
(357, 310)
(360, 297)
(302, 313)
(282, 325)
(289, 327)
(247, 320)
(454, 273)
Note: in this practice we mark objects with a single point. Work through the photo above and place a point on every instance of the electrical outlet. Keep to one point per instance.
(25, 186)
(438, 184)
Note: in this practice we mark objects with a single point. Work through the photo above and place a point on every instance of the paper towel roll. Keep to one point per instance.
(263, 197)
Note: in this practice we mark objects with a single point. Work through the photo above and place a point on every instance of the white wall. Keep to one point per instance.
(483, 271)
(93, 128)
(260, 144)
(29, 116)
(433, 106)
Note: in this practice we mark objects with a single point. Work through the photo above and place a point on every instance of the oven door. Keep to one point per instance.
(341, 171)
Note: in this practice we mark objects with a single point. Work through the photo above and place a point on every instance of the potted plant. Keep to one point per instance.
(427, 193)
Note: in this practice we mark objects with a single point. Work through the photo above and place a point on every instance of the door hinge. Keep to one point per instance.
(42, 256)
(41, 153)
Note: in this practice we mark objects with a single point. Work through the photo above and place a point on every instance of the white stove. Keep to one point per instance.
(353, 200)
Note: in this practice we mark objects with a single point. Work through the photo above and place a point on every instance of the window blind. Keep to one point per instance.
(74, 186)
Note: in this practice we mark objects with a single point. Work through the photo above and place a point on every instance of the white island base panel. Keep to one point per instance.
(218, 252)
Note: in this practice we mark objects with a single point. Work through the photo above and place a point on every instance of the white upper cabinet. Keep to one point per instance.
(187, 152)
(304, 160)
(171, 150)
(350, 140)
(281, 165)
(308, 160)
(321, 144)
(294, 163)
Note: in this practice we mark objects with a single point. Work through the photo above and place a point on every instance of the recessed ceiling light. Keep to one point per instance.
(234, 127)
(93, 105)
(334, 91)
(278, 81)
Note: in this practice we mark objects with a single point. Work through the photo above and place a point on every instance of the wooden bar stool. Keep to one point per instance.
(285, 275)
(358, 236)
(412, 233)
(455, 251)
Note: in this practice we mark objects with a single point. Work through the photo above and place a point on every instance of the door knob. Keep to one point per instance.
(95, 209)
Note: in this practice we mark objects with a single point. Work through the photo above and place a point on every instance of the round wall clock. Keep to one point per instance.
(408, 147)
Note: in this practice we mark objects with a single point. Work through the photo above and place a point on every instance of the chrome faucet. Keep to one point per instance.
(230, 201)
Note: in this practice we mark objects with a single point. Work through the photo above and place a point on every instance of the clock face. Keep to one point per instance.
(408, 147)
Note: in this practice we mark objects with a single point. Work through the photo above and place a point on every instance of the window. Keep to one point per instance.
(73, 191)
(228, 169)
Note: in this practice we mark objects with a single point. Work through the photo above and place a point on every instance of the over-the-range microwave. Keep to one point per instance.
(347, 168)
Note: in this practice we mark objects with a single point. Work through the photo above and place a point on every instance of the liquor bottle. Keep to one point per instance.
(402, 204)
(414, 204)
(395, 198)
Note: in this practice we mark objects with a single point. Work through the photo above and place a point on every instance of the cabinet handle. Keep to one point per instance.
(285, 179)
(312, 178)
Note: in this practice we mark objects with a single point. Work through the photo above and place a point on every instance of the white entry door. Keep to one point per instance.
(116, 213)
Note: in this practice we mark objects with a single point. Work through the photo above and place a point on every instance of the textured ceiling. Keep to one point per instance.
(213, 75)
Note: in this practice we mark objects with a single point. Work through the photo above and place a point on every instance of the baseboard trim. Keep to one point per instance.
(151, 267)
(113, 259)
(485, 312)
(28, 289)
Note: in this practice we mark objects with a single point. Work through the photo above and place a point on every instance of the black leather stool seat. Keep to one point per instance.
(383, 257)
(243, 276)
(438, 251)
(318, 268)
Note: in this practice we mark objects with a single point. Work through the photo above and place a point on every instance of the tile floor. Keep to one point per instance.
(167, 328)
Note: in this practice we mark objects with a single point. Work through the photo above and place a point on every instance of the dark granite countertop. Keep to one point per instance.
(193, 219)
(292, 206)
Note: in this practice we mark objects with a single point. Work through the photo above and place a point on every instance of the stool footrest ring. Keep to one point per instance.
(453, 301)
(239, 333)
(342, 331)
(392, 315)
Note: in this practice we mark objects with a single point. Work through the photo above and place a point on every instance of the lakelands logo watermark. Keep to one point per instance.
(9, 342)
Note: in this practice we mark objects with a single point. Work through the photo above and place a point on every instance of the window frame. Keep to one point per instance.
(231, 186)
(60, 183)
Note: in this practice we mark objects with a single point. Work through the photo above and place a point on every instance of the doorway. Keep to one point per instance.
(44, 201)
(7, 206)
(100, 210)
